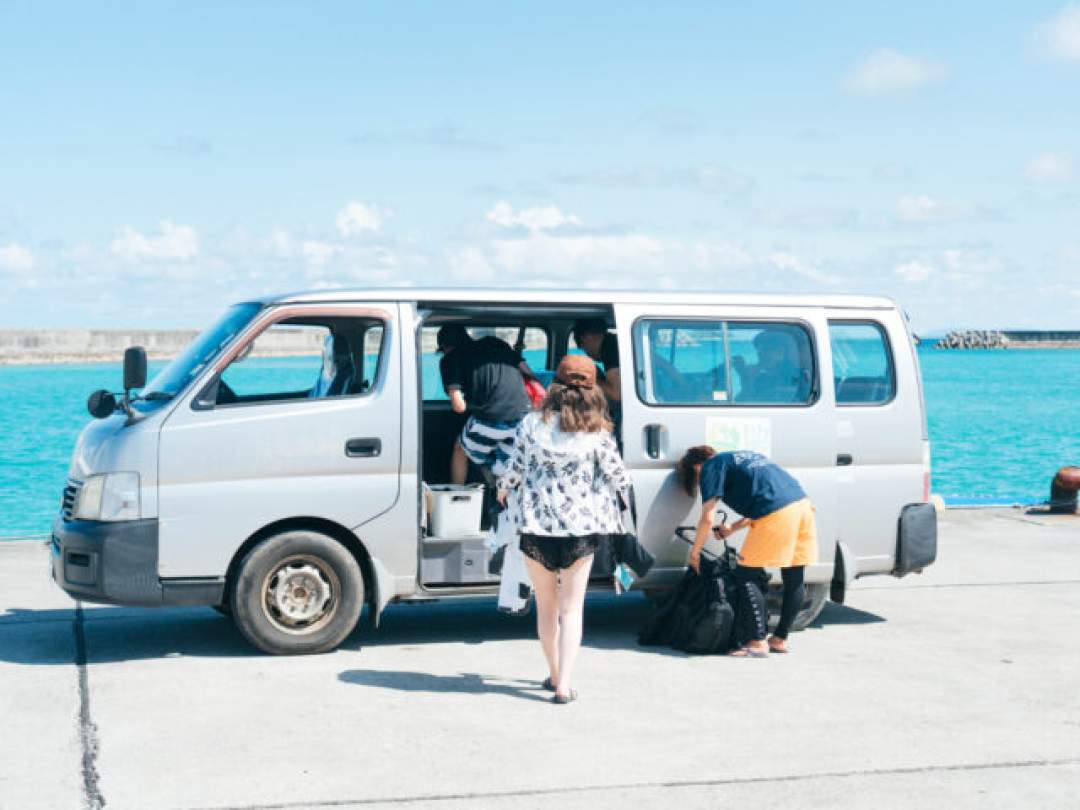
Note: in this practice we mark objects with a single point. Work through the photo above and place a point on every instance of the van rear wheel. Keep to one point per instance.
(296, 593)
(817, 594)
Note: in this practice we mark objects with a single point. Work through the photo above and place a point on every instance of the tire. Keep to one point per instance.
(816, 595)
(225, 609)
(297, 593)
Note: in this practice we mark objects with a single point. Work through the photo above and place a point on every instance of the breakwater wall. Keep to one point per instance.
(32, 346)
(1010, 339)
(45, 346)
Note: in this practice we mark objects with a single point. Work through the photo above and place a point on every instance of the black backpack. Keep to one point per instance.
(697, 616)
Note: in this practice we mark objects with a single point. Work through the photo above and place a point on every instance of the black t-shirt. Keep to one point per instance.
(486, 371)
(749, 483)
(609, 352)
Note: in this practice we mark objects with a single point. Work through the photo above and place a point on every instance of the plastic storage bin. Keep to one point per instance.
(455, 510)
(456, 562)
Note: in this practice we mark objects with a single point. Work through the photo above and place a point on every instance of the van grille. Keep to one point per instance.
(67, 502)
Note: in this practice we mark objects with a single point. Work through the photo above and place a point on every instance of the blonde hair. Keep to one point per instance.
(581, 409)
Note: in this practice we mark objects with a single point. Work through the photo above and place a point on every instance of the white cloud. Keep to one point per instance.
(913, 272)
(886, 71)
(787, 261)
(922, 209)
(356, 218)
(535, 219)
(1049, 167)
(1059, 37)
(173, 243)
(15, 259)
(471, 264)
(318, 253)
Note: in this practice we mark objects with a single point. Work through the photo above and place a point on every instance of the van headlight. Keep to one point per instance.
(112, 496)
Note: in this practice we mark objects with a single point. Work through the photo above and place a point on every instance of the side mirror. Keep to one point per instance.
(101, 404)
(134, 368)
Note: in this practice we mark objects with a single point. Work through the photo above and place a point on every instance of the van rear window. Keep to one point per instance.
(724, 363)
(862, 363)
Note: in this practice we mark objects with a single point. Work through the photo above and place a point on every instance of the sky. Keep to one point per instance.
(159, 161)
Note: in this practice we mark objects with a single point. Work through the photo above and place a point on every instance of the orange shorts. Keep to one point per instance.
(784, 538)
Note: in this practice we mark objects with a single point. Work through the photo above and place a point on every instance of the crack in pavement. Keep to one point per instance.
(88, 739)
(673, 784)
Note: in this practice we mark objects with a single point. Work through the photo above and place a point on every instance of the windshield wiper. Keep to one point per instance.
(158, 396)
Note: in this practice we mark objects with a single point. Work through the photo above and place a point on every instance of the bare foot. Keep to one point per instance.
(777, 644)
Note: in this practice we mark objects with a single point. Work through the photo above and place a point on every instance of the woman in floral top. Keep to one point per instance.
(566, 472)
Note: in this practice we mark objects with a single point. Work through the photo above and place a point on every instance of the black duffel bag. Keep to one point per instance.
(697, 616)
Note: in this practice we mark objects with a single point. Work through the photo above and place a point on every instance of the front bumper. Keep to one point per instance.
(117, 563)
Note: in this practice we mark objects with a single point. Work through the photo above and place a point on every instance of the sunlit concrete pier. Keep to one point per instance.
(954, 688)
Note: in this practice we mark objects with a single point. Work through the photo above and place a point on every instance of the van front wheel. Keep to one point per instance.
(297, 592)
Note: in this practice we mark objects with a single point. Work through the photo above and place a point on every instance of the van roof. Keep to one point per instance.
(480, 295)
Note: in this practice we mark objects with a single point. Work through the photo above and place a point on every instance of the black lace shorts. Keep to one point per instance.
(557, 553)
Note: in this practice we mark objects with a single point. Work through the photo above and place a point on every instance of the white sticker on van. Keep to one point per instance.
(733, 433)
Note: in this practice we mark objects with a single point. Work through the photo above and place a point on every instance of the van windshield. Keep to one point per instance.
(187, 365)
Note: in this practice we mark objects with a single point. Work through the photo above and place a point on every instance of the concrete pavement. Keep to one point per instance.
(956, 688)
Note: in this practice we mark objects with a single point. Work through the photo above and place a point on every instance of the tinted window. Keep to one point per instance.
(290, 360)
(724, 363)
(862, 363)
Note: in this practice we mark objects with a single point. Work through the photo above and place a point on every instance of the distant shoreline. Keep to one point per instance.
(54, 347)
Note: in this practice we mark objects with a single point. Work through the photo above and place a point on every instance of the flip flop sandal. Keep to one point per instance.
(547, 684)
(746, 652)
(561, 699)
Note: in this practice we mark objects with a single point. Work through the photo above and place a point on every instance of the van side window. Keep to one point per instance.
(724, 363)
(862, 363)
(303, 361)
(533, 342)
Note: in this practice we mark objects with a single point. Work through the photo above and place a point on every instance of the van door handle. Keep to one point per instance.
(363, 448)
(652, 441)
(844, 460)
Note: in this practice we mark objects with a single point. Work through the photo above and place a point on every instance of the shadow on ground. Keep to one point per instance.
(466, 683)
(47, 637)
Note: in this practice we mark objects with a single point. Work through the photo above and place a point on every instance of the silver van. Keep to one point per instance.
(276, 469)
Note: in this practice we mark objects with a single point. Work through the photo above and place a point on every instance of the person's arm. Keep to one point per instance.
(457, 400)
(612, 467)
(611, 385)
(514, 475)
(725, 531)
(526, 372)
(704, 529)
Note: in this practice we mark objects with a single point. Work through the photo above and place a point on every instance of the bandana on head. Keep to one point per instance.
(576, 371)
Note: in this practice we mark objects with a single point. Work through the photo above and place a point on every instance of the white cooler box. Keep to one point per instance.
(455, 510)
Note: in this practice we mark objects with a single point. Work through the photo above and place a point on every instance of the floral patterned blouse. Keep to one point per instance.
(568, 483)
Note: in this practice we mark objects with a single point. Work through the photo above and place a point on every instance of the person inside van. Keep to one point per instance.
(782, 531)
(568, 477)
(593, 338)
(777, 375)
(483, 378)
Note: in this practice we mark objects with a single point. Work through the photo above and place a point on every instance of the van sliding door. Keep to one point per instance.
(738, 378)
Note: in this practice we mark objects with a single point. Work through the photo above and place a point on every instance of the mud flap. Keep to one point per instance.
(844, 569)
(916, 538)
(384, 591)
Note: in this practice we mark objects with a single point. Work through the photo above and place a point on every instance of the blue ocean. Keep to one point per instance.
(1001, 423)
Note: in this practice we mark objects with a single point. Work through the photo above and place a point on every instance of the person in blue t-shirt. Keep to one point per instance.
(782, 531)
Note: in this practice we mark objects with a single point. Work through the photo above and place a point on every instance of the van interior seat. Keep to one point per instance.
(338, 375)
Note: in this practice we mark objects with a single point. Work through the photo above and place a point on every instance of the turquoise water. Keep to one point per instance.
(1001, 423)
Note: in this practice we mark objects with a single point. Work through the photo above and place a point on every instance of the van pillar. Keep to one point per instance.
(844, 570)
